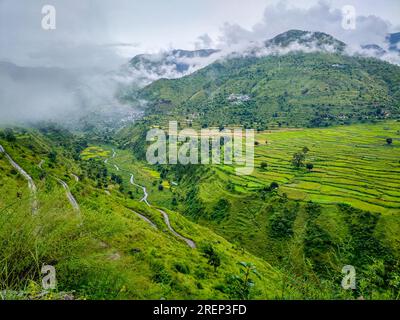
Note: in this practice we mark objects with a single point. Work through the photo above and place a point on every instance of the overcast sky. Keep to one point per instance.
(103, 33)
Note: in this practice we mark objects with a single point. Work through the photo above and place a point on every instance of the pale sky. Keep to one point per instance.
(106, 33)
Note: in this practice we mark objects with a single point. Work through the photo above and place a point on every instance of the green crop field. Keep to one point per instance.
(352, 165)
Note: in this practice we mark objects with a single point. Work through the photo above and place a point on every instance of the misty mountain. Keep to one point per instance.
(299, 88)
(306, 39)
(394, 41)
(145, 68)
(76, 98)
(89, 96)
(374, 49)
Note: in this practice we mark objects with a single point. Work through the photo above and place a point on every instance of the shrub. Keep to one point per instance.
(182, 268)
(264, 165)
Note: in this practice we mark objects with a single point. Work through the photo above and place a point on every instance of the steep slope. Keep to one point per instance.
(108, 251)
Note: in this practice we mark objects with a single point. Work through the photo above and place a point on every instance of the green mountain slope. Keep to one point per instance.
(295, 89)
(106, 250)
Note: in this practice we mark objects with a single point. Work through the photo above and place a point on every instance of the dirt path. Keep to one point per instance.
(31, 183)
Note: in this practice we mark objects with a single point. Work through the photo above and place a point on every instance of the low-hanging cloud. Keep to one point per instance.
(321, 17)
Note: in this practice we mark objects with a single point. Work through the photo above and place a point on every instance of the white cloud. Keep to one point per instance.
(320, 17)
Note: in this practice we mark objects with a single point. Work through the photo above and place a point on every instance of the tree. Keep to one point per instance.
(9, 135)
(309, 166)
(116, 178)
(52, 156)
(160, 187)
(305, 150)
(212, 255)
(389, 141)
(264, 165)
(298, 159)
(274, 185)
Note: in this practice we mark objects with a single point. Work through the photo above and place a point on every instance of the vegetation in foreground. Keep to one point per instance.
(255, 239)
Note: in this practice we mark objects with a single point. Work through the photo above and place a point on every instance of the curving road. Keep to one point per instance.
(144, 199)
(145, 219)
(70, 197)
(189, 242)
(31, 183)
(68, 193)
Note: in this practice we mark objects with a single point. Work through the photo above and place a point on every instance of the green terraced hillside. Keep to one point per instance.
(352, 165)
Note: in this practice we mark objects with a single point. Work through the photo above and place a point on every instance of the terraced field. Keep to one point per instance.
(352, 164)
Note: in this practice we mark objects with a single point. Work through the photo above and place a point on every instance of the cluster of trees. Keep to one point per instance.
(96, 170)
(8, 135)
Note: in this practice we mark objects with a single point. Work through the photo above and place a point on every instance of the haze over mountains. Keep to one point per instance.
(76, 95)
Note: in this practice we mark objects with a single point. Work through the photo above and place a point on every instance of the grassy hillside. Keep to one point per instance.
(107, 250)
(297, 89)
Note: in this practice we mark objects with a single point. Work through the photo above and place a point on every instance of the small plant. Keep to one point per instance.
(182, 268)
(240, 286)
